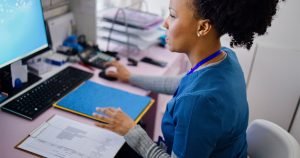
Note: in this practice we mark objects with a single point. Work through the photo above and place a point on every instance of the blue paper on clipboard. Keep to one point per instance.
(90, 95)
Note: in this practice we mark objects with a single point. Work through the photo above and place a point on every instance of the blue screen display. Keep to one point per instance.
(22, 29)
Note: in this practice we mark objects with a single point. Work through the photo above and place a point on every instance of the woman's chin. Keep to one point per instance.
(170, 48)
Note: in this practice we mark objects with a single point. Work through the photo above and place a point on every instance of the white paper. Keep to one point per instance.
(61, 137)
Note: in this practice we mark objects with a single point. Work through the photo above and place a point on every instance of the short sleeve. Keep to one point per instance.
(198, 126)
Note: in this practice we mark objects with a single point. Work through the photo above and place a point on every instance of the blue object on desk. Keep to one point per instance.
(85, 99)
(55, 62)
(18, 83)
(72, 42)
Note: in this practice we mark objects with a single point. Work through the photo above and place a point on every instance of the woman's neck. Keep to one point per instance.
(201, 52)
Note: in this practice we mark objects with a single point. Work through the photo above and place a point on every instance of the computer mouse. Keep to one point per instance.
(103, 75)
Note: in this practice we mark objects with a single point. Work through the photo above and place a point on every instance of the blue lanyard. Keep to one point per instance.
(215, 54)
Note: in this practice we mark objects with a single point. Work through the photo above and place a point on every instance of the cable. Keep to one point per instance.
(112, 27)
(122, 10)
(131, 61)
(125, 22)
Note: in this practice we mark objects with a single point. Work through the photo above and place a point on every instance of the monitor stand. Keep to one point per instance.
(6, 83)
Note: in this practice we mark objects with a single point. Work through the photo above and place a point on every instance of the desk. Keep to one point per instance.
(13, 128)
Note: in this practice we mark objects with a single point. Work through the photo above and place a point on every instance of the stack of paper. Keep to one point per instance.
(129, 27)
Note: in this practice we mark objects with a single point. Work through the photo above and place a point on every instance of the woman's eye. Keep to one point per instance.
(172, 16)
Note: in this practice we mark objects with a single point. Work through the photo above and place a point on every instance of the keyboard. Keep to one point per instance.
(32, 103)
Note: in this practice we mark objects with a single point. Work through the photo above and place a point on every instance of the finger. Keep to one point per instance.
(120, 115)
(103, 125)
(110, 112)
(119, 111)
(101, 109)
(107, 111)
(103, 118)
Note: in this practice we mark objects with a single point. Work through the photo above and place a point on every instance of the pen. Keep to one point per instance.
(4, 94)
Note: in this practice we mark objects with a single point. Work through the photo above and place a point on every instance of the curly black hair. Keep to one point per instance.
(241, 19)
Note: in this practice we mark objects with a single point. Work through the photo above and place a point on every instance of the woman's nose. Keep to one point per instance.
(165, 24)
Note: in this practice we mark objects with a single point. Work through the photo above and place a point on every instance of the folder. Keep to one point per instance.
(89, 95)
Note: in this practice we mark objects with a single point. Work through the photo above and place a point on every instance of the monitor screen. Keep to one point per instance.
(22, 30)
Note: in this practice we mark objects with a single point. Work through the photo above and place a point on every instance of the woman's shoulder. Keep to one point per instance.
(197, 97)
(230, 53)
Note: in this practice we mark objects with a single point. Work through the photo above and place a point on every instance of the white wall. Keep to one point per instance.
(160, 7)
(274, 87)
(102, 4)
(285, 29)
(85, 16)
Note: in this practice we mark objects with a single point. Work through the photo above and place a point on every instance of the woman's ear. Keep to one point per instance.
(204, 26)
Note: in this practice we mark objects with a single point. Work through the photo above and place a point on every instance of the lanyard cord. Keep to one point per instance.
(201, 63)
(212, 56)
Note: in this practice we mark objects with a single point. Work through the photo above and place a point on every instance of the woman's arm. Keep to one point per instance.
(120, 123)
(158, 84)
(138, 140)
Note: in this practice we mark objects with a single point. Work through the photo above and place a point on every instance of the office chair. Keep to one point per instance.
(268, 140)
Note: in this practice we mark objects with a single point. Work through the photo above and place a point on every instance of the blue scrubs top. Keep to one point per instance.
(208, 116)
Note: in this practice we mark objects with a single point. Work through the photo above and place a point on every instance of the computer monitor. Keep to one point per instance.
(22, 35)
(22, 30)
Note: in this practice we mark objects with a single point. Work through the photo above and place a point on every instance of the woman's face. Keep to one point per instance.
(181, 26)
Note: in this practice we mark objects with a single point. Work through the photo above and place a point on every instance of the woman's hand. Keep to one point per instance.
(116, 120)
(121, 73)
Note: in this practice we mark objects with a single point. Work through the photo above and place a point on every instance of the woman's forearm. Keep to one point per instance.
(158, 84)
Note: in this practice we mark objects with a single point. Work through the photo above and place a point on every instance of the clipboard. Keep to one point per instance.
(32, 153)
(84, 100)
(61, 145)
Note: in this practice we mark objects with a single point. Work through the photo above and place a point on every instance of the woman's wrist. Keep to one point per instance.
(126, 78)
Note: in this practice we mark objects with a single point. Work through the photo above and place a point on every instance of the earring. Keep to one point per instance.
(198, 34)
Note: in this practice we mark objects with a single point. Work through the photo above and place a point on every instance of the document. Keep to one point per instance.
(61, 137)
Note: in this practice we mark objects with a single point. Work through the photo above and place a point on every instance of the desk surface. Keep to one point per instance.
(13, 129)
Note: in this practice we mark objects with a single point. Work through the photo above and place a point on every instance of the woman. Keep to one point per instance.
(208, 114)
